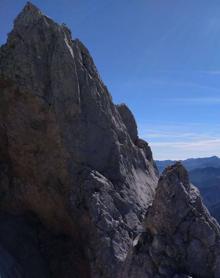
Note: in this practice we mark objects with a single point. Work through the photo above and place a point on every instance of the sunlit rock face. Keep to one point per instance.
(77, 184)
(67, 153)
(181, 238)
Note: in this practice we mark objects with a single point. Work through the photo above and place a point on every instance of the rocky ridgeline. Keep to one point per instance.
(79, 189)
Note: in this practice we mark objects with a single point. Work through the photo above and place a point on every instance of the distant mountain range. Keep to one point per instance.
(192, 163)
(205, 174)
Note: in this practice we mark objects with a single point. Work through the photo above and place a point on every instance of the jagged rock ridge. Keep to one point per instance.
(181, 238)
(75, 179)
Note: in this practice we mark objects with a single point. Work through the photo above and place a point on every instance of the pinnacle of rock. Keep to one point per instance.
(129, 121)
(177, 172)
(66, 149)
(181, 236)
(30, 7)
(28, 15)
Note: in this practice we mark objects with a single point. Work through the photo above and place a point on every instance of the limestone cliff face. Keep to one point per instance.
(75, 180)
(67, 153)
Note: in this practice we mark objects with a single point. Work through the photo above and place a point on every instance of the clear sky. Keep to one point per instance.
(160, 57)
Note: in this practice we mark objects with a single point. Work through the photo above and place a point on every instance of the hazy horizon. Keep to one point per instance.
(189, 158)
(161, 58)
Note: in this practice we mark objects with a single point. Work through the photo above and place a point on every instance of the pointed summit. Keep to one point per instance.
(177, 172)
(28, 15)
(30, 7)
(181, 236)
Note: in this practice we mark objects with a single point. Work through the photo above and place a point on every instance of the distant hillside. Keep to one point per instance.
(215, 211)
(208, 182)
(192, 163)
(206, 177)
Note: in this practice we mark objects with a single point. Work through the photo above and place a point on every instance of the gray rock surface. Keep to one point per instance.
(204, 173)
(73, 161)
(181, 238)
(66, 153)
(129, 121)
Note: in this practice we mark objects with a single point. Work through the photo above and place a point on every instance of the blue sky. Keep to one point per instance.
(160, 57)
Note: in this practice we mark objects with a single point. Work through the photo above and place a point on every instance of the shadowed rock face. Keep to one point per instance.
(28, 249)
(75, 180)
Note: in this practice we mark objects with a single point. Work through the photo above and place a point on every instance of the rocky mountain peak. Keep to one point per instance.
(79, 189)
(175, 174)
(181, 237)
(29, 15)
(67, 154)
(30, 7)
